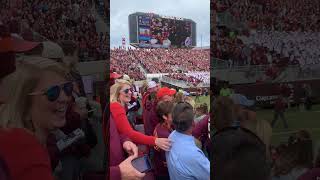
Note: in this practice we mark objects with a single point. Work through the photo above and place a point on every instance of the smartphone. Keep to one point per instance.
(142, 164)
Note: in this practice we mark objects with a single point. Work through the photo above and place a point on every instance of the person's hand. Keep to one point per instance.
(130, 148)
(128, 172)
(163, 143)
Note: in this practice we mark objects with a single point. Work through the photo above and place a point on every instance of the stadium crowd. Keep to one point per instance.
(166, 116)
(68, 20)
(184, 77)
(301, 15)
(158, 61)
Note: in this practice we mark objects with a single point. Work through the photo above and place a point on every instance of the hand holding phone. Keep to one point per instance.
(128, 172)
(142, 164)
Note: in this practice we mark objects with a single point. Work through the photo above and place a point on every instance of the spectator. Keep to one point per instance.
(120, 95)
(235, 152)
(279, 110)
(184, 159)
(28, 82)
(162, 130)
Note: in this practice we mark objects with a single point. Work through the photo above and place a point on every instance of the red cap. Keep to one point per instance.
(115, 75)
(9, 45)
(165, 91)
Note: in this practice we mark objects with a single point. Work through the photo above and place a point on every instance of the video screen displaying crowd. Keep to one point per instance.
(158, 61)
(176, 31)
(68, 20)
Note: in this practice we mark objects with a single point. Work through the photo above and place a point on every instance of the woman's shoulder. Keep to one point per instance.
(115, 105)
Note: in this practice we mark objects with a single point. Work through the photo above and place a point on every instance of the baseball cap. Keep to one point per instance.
(152, 84)
(115, 75)
(241, 100)
(156, 80)
(9, 45)
(165, 91)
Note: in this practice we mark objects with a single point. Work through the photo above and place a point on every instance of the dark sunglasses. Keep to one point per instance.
(53, 92)
(126, 91)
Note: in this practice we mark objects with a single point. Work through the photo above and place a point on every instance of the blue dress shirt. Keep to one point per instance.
(185, 160)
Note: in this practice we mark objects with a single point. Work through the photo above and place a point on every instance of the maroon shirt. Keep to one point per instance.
(150, 117)
(279, 105)
(160, 164)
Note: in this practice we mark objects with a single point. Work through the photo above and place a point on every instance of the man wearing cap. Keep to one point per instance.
(165, 94)
(247, 118)
(149, 103)
(34, 162)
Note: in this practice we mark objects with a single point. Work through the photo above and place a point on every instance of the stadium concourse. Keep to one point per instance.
(273, 46)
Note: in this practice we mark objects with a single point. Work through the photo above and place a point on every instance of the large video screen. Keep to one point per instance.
(156, 31)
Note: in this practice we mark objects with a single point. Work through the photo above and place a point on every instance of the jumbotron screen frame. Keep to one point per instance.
(151, 30)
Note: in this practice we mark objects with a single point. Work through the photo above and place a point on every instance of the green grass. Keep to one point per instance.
(202, 99)
(308, 120)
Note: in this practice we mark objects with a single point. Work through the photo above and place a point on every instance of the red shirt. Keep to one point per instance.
(25, 157)
(119, 115)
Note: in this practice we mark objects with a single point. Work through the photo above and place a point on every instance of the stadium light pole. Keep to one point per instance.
(201, 41)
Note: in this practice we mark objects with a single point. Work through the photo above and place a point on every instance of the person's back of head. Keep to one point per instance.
(183, 117)
(223, 113)
(239, 154)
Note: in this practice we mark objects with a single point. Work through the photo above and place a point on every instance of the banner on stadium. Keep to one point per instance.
(265, 94)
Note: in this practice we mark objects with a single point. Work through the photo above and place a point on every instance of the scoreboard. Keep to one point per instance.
(158, 31)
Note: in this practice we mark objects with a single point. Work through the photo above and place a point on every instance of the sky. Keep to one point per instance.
(196, 10)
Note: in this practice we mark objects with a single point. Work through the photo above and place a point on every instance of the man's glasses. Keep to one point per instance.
(53, 92)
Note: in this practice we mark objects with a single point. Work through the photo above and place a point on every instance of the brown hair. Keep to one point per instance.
(163, 109)
(223, 114)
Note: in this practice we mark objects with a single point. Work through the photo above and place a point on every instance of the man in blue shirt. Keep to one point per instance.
(185, 160)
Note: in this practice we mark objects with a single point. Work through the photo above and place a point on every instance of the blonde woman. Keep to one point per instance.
(120, 95)
(37, 99)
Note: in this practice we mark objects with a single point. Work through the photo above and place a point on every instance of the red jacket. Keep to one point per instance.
(116, 155)
(123, 126)
(25, 157)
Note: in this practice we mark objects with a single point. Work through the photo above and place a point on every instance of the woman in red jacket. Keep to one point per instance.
(35, 106)
(120, 94)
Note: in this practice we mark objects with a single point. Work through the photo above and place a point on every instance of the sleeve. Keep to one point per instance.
(201, 166)
(115, 172)
(124, 127)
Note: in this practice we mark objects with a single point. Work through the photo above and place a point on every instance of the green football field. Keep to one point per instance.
(297, 120)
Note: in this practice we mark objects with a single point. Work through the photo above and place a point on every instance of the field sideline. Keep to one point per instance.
(309, 120)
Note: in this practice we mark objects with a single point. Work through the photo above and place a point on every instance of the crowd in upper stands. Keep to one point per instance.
(185, 77)
(287, 15)
(68, 20)
(158, 61)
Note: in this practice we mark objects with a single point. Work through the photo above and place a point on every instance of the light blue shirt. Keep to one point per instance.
(185, 160)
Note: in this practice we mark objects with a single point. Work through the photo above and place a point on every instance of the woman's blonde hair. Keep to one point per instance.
(15, 113)
(115, 90)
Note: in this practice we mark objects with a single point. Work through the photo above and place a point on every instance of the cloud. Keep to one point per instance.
(197, 10)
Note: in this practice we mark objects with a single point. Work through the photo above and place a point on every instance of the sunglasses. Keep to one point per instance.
(53, 92)
(126, 91)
